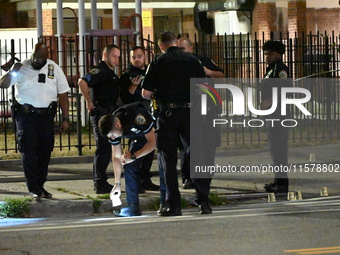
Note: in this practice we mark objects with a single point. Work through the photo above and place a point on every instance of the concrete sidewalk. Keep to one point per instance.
(70, 181)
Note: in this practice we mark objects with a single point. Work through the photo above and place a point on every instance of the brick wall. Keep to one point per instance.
(297, 22)
(323, 20)
(47, 22)
(264, 19)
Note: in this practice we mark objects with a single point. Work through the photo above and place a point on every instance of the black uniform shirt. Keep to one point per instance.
(279, 71)
(169, 75)
(136, 121)
(125, 83)
(104, 84)
(208, 63)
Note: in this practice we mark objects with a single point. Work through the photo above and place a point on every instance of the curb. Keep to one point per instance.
(70, 208)
(60, 160)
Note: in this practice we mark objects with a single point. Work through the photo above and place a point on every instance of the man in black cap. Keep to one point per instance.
(277, 134)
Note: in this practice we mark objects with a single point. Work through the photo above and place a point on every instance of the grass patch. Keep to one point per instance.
(15, 208)
(152, 204)
(103, 196)
(184, 203)
(62, 189)
(216, 199)
(96, 203)
(68, 191)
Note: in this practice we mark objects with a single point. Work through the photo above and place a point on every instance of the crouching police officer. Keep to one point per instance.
(100, 88)
(276, 76)
(131, 121)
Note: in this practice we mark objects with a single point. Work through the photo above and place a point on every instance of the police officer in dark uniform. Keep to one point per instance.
(130, 92)
(131, 121)
(168, 79)
(39, 82)
(276, 76)
(214, 139)
(100, 88)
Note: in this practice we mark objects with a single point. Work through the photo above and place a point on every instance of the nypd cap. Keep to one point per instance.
(276, 46)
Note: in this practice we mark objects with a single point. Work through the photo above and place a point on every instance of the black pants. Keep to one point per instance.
(103, 151)
(278, 142)
(170, 128)
(36, 141)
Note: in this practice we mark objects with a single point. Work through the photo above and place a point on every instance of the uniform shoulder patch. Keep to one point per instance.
(283, 74)
(140, 119)
(94, 71)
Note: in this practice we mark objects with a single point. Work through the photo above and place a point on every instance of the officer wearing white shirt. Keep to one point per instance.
(39, 82)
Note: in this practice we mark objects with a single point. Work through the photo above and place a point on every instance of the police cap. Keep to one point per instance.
(276, 46)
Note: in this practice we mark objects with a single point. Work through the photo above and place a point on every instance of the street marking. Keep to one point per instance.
(324, 250)
(320, 252)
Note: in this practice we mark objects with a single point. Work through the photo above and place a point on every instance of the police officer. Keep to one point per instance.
(100, 88)
(210, 68)
(131, 91)
(131, 121)
(276, 76)
(39, 82)
(214, 139)
(168, 79)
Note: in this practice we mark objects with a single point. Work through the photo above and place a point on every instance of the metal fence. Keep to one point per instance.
(240, 56)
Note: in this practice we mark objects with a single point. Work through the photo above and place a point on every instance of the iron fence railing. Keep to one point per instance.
(240, 56)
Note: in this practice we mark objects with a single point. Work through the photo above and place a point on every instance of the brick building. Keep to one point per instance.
(277, 16)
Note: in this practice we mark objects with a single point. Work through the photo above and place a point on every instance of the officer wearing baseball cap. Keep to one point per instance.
(276, 76)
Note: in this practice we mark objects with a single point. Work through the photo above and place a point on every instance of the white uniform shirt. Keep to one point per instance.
(40, 95)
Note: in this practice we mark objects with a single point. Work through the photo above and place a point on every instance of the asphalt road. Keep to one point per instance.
(297, 227)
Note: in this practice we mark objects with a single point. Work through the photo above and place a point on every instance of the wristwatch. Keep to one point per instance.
(133, 156)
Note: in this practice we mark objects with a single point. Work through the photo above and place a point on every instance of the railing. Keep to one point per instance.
(240, 56)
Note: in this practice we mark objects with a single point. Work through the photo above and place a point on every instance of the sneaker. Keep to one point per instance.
(45, 193)
(166, 212)
(204, 209)
(129, 211)
(275, 187)
(35, 195)
(148, 185)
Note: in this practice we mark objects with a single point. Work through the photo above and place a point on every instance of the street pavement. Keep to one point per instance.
(310, 226)
(70, 180)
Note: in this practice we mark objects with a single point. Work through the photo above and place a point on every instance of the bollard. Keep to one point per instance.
(324, 192)
(298, 195)
(312, 157)
(271, 197)
(291, 196)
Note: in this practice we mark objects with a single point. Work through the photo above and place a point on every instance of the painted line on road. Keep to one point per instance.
(323, 250)
(320, 252)
(157, 219)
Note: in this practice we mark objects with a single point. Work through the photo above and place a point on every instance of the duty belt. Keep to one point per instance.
(27, 108)
(167, 107)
